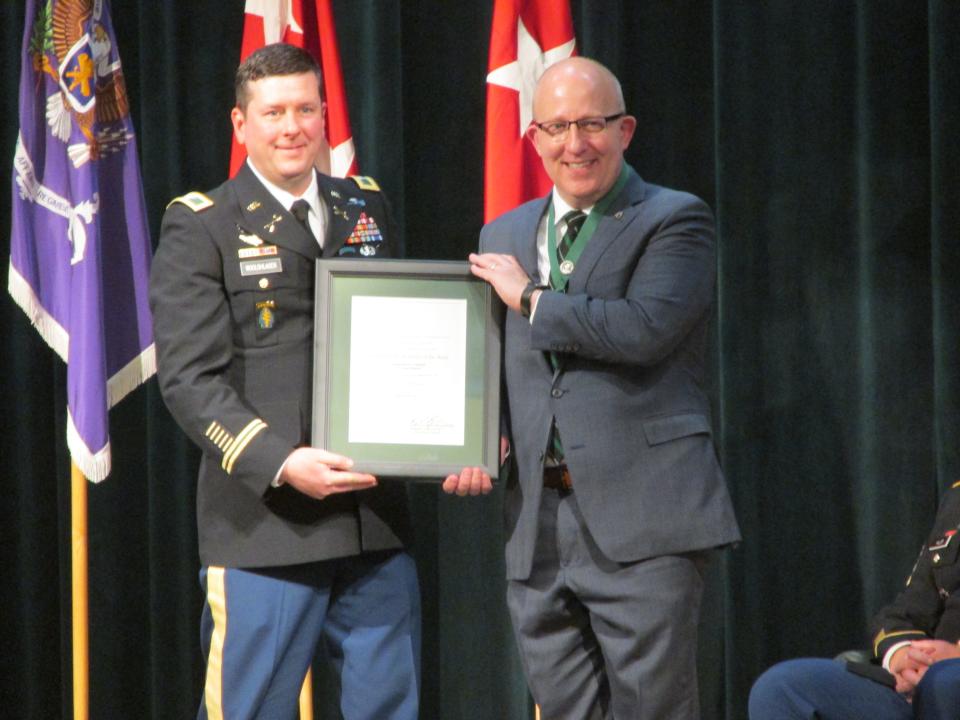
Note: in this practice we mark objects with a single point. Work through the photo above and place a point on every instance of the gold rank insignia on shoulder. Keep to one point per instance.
(253, 206)
(365, 183)
(196, 201)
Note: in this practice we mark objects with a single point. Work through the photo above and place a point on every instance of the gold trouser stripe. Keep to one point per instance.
(217, 600)
(240, 443)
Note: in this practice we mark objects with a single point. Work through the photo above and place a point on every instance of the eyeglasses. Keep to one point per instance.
(558, 129)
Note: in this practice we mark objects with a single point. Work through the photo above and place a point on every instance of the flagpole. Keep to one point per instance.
(306, 697)
(81, 639)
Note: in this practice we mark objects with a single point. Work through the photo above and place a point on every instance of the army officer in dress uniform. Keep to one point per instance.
(915, 674)
(295, 546)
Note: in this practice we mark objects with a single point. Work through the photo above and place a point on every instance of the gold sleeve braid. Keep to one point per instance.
(233, 447)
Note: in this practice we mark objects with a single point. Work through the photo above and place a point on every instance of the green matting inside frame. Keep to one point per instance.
(343, 290)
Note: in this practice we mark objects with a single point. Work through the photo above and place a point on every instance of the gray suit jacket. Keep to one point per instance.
(629, 399)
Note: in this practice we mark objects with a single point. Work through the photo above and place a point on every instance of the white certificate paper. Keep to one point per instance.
(407, 370)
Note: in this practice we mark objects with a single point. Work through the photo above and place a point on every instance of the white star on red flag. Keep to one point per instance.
(524, 72)
(527, 36)
(277, 17)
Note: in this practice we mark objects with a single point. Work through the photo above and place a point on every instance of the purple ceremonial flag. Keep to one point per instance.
(79, 245)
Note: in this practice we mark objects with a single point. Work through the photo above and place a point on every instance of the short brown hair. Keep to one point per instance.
(270, 60)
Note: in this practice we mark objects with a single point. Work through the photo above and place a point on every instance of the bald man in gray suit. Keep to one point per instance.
(618, 496)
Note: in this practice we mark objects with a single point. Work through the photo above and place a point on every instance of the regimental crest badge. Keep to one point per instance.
(69, 43)
(266, 317)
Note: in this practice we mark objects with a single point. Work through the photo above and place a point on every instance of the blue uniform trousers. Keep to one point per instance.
(261, 627)
(822, 689)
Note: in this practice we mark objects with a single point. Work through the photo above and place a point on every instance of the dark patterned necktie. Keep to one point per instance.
(574, 220)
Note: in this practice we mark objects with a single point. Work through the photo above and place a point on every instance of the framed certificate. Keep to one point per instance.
(407, 367)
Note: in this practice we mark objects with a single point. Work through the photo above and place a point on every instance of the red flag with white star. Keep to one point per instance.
(307, 24)
(527, 37)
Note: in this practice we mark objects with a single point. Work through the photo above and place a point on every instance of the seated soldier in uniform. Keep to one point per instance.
(915, 673)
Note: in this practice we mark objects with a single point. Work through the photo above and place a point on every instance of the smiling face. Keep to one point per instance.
(582, 166)
(282, 128)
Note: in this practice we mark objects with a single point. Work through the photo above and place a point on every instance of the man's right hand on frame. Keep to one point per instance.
(473, 481)
(470, 481)
(319, 473)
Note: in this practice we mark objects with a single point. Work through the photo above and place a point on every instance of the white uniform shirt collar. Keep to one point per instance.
(311, 195)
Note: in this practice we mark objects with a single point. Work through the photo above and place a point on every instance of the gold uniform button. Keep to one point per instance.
(264, 283)
(936, 558)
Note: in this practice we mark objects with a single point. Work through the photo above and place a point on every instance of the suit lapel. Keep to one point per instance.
(617, 217)
(265, 218)
(527, 233)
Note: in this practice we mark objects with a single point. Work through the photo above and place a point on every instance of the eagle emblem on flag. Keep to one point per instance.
(70, 44)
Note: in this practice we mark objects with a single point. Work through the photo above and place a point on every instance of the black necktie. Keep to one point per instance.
(300, 210)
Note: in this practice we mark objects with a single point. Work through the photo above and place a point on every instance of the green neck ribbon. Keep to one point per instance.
(558, 280)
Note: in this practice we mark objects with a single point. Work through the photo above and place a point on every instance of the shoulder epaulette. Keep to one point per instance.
(196, 201)
(365, 183)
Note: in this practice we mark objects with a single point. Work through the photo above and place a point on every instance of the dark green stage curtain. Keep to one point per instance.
(824, 136)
